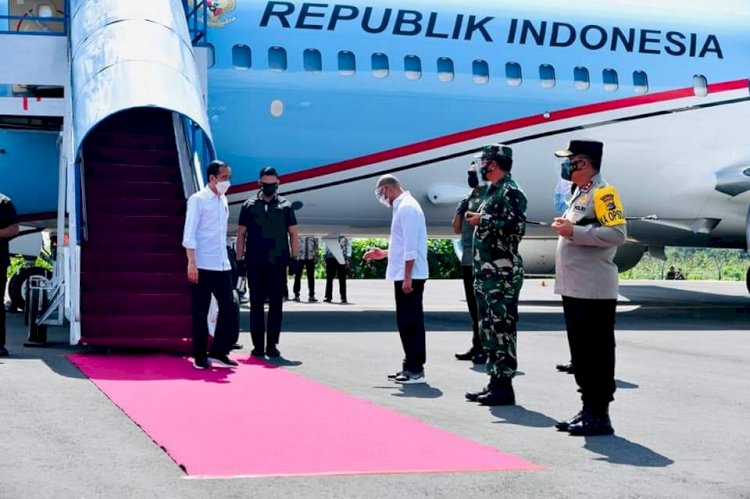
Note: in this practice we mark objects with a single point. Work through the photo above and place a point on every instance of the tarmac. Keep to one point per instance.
(681, 413)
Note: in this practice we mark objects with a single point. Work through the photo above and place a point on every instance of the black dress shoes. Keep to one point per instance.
(473, 396)
(593, 425)
(467, 355)
(565, 425)
(566, 368)
(273, 352)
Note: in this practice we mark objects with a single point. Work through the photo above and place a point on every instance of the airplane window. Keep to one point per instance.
(412, 67)
(241, 57)
(445, 69)
(581, 77)
(312, 60)
(547, 76)
(481, 72)
(640, 82)
(513, 74)
(700, 85)
(347, 63)
(380, 68)
(609, 77)
(277, 59)
(210, 55)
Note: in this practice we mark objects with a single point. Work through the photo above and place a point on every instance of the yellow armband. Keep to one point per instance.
(608, 207)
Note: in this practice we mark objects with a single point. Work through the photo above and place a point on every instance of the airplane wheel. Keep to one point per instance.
(17, 285)
(747, 280)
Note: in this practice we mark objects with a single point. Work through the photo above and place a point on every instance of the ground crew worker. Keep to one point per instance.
(267, 228)
(460, 226)
(589, 232)
(499, 225)
(8, 230)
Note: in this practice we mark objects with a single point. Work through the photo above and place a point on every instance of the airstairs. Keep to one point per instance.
(133, 142)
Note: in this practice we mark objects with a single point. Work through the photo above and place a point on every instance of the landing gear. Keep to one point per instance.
(747, 280)
(17, 285)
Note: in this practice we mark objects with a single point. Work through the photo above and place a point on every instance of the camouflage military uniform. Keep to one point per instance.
(498, 273)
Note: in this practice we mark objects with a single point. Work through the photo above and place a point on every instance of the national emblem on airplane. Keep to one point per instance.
(219, 12)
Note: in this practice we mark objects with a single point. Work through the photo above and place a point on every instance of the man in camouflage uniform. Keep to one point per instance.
(498, 271)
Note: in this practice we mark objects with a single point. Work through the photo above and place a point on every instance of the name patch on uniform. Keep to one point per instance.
(608, 207)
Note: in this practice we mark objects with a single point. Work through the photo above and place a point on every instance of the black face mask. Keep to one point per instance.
(473, 179)
(269, 189)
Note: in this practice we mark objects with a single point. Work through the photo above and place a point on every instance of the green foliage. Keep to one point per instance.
(440, 258)
(695, 263)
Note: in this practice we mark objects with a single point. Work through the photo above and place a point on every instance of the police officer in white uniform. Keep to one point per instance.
(589, 233)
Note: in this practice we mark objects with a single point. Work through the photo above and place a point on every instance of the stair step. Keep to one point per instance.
(135, 140)
(128, 156)
(109, 281)
(148, 224)
(136, 206)
(134, 173)
(104, 188)
(123, 242)
(132, 262)
(136, 327)
(129, 304)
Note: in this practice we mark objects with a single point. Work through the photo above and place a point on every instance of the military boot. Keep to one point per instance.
(473, 396)
(501, 393)
(594, 422)
(565, 425)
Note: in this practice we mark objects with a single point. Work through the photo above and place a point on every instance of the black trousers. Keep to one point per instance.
(266, 281)
(3, 281)
(333, 270)
(591, 335)
(309, 267)
(471, 302)
(410, 321)
(219, 284)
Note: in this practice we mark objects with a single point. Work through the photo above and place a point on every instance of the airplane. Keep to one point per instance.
(336, 94)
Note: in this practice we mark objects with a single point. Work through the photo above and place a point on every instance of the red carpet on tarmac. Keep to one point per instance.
(262, 420)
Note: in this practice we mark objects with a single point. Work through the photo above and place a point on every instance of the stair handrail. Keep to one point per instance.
(197, 18)
(192, 180)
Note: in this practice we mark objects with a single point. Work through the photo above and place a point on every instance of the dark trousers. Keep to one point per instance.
(309, 267)
(3, 279)
(219, 284)
(471, 302)
(266, 281)
(335, 269)
(410, 321)
(591, 335)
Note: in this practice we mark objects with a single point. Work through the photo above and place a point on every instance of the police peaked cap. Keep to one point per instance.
(496, 151)
(591, 148)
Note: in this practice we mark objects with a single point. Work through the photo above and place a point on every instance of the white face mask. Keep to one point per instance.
(223, 186)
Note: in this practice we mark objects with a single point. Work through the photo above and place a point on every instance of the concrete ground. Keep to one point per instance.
(681, 412)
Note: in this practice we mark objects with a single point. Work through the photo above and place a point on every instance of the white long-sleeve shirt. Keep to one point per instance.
(206, 229)
(408, 239)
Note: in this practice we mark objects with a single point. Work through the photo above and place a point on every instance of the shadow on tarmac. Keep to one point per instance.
(424, 391)
(619, 450)
(519, 415)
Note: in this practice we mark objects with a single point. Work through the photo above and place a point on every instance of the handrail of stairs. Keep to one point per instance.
(196, 12)
(190, 164)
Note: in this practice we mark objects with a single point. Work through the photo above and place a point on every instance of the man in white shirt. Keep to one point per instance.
(209, 270)
(407, 268)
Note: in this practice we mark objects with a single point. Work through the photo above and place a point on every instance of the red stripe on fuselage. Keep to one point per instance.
(495, 128)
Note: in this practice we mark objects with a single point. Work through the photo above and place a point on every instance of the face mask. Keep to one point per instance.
(269, 189)
(473, 179)
(223, 186)
(382, 198)
(566, 170)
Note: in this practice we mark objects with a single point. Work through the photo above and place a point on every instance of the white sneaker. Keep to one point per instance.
(407, 378)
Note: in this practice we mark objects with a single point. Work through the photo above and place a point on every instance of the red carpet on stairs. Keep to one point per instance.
(262, 420)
